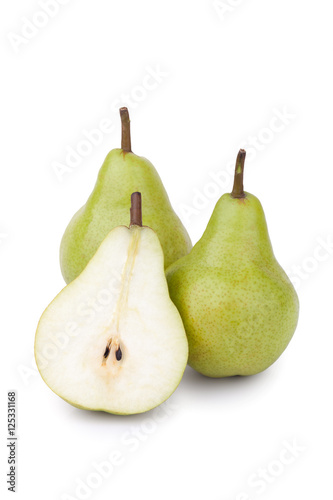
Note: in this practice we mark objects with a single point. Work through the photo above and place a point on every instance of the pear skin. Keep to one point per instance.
(121, 174)
(238, 306)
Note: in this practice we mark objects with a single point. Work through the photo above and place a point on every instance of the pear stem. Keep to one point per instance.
(136, 210)
(238, 189)
(125, 130)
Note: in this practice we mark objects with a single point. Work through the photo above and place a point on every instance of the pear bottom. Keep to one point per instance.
(237, 323)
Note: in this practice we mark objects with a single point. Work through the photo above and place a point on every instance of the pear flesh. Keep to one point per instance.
(112, 340)
(238, 306)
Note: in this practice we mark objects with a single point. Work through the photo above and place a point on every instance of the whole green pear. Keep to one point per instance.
(121, 174)
(238, 306)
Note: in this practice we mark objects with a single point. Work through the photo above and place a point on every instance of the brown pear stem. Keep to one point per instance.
(238, 189)
(125, 130)
(136, 210)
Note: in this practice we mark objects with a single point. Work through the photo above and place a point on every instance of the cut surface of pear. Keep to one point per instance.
(121, 174)
(238, 306)
(112, 340)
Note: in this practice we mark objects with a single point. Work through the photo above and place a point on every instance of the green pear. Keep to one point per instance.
(112, 340)
(121, 174)
(238, 306)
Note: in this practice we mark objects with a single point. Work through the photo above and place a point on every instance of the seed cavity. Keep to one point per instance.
(119, 354)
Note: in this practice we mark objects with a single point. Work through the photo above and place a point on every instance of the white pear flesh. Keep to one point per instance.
(118, 307)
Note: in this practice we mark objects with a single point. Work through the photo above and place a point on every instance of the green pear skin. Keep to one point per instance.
(238, 306)
(122, 173)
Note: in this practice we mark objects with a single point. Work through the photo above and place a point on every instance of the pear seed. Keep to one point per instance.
(119, 354)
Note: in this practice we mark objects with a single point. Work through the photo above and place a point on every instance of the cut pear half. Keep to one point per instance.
(112, 340)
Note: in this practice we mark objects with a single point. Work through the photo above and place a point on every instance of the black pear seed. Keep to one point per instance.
(119, 354)
(107, 351)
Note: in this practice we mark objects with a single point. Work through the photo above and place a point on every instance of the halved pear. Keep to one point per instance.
(112, 340)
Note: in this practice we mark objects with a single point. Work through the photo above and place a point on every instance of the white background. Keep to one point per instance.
(224, 78)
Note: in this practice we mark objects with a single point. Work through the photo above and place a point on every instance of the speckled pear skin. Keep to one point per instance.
(238, 306)
(121, 174)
